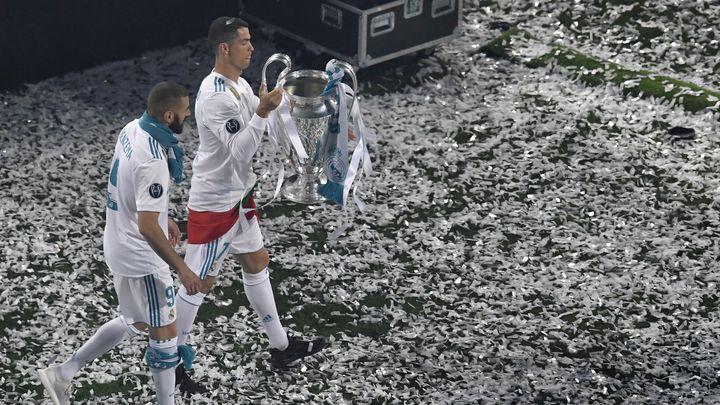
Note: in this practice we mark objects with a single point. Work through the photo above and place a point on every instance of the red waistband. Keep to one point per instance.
(206, 226)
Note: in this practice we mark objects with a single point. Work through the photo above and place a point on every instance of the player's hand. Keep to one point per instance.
(351, 134)
(191, 281)
(207, 283)
(268, 101)
(174, 234)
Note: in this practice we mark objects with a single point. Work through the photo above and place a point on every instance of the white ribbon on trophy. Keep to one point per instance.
(283, 111)
(360, 154)
(335, 70)
(281, 166)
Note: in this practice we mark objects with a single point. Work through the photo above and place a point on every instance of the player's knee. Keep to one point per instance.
(259, 262)
(162, 354)
(255, 262)
(263, 260)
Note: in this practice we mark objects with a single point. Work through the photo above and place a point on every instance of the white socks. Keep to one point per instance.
(107, 336)
(187, 308)
(164, 378)
(259, 292)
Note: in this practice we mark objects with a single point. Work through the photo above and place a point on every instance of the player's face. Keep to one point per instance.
(241, 49)
(180, 116)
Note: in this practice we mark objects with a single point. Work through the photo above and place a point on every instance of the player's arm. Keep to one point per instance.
(152, 232)
(174, 234)
(151, 197)
(242, 139)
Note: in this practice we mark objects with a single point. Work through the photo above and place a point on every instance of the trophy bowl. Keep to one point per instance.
(310, 111)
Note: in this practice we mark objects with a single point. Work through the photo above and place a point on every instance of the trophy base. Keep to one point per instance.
(303, 191)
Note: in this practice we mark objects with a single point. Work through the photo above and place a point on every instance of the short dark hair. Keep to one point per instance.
(165, 96)
(224, 29)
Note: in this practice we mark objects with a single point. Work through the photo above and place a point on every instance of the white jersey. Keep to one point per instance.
(230, 133)
(139, 181)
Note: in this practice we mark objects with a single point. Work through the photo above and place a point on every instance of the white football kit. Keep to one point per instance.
(139, 181)
(230, 134)
(222, 217)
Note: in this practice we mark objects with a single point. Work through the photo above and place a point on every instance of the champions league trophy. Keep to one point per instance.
(302, 124)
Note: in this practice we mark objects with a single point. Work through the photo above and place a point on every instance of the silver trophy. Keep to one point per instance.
(309, 112)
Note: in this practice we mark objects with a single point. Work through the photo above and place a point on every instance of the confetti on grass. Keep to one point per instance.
(527, 238)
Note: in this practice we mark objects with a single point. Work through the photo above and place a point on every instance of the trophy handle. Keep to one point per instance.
(348, 70)
(278, 57)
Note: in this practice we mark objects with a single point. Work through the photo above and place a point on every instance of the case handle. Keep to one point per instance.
(382, 24)
(331, 16)
(442, 7)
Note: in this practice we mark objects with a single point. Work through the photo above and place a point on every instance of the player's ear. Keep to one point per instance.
(168, 117)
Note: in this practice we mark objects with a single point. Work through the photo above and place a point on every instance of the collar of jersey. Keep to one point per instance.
(228, 80)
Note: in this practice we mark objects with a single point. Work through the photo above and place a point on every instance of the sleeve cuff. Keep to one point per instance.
(258, 122)
(149, 208)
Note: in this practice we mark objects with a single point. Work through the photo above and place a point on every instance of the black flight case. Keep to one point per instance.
(362, 32)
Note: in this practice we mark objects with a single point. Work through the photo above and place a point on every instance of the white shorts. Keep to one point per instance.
(149, 299)
(244, 237)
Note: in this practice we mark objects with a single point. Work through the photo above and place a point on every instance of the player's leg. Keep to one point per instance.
(201, 259)
(258, 290)
(205, 260)
(162, 352)
(57, 378)
(253, 257)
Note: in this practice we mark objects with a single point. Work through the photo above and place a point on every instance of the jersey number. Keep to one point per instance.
(170, 296)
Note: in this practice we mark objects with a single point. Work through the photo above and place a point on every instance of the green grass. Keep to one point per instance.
(596, 72)
(499, 47)
(325, 318)
(12, 319)
(84, 393)
(210, 311)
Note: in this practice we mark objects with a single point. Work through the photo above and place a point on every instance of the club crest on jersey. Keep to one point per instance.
(156, 190)
(232, 125)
